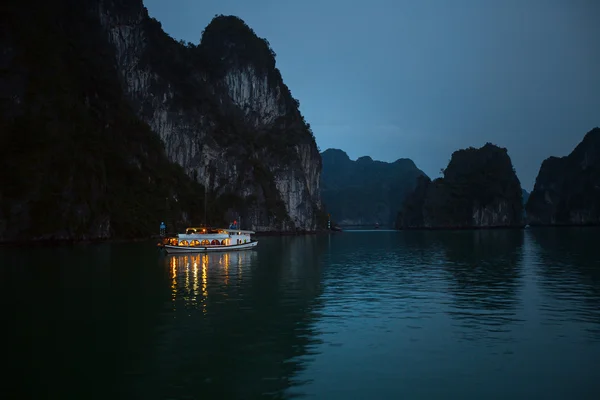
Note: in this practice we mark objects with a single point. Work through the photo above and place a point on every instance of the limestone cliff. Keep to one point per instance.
(567, 189)
(411, 213)
(365, 192)
(525, 196)
(223, 112)
(109, 126)
(479, 189)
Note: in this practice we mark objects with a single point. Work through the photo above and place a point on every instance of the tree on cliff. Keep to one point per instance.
(230, 103)
(82, 165)
(81, 85)
(479, 189)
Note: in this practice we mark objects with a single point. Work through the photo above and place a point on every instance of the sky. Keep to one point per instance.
(421, 79)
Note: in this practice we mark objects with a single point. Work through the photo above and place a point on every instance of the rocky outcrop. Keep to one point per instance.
(411, 213)
(525, 195)
(365, 192)
(109, 126)
(479, 189)
(223, 112)
(567, 189)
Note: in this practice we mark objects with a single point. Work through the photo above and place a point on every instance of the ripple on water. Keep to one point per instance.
(376, 315)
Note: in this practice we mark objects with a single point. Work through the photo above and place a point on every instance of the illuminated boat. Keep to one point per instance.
(205, 240)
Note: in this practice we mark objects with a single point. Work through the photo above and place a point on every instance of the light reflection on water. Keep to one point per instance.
(469, 315)
(190, 275)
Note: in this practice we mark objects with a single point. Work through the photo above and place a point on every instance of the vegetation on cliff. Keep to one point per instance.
(525, 196)
(479, 189)
(78, 163)
(365, 192)
(226, 99)
(411, 213)
(83, 163)
(567, 189)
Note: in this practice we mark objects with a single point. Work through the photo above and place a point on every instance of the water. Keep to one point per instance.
(363, 315)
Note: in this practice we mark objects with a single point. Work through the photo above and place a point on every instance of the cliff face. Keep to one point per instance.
(525, 195)
(411, 213)
(77, 162)
(365, 192)
(567, 189)
(108, 126)
(223, 112)
(479, 189)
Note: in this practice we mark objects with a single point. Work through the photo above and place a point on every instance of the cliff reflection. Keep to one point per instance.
(484, 268)
(237, 324)
(568, 265)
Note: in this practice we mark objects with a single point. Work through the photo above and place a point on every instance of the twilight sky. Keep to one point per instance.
(421, 79)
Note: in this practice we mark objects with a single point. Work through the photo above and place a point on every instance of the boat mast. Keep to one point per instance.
(205, 198)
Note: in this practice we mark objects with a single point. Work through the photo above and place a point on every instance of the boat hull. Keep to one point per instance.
(208, 249)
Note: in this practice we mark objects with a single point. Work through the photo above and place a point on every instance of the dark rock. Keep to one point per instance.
(567, 189)
(109, 126)
(479, 189)
(525, 199)
(365, 192)
(411, 214)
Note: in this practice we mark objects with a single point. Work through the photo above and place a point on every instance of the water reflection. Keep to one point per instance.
(354, 315)
(567, 262)
(484, 268)
(189, 275)
(236, 325)
(57, 320)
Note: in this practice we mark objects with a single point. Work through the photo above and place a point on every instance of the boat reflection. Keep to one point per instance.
(233, 325)
(190, 274)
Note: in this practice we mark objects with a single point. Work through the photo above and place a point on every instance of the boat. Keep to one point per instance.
(206, 240)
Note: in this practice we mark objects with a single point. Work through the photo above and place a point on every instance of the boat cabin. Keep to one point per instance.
(207, 237)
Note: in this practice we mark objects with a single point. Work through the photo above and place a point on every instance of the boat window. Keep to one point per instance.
(205, 242)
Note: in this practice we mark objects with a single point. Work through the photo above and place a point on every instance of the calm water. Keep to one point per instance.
(357, 315)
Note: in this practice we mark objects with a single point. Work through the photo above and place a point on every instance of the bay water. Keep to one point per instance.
(489, 314)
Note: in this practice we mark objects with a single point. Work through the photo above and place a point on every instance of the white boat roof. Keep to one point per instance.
(219, 229)
(237, 230)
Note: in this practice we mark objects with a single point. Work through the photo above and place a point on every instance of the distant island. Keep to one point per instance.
(365, 192)
(479, 189)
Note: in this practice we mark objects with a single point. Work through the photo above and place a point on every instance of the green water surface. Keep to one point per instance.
(499, 314)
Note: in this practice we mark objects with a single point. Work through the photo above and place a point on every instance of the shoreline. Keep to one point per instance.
(477, 228)
(69, 242)
(72, 242)
(289, 233)
(460, 228)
